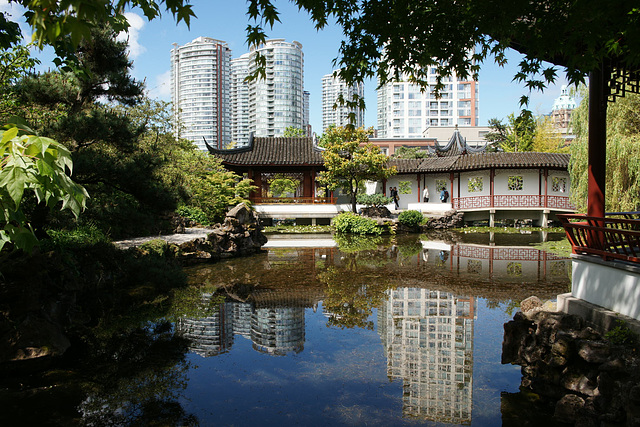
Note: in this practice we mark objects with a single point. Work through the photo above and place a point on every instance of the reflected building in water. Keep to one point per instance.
(428, 338)
(272, 330)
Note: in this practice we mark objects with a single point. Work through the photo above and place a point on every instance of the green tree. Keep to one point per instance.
(410, 153)
(390, 38)
(547, 139)
(350, 160)
(623, 155)
(517, 135)
(115, 153)
(53, 21)
(292, 131)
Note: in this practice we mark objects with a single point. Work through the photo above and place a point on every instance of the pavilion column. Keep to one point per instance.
(597, 141)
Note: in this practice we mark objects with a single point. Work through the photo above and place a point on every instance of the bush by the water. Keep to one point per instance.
(411, 218)
(373, 199)
(348, 222)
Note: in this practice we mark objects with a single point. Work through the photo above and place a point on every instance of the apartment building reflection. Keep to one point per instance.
(428, 338)
(272, 330)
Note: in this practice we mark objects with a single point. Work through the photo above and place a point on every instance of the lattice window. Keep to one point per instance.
(474, 266)
(514, 269)
(475, 184)
(441, 184)
(558, 184)
(558, 268)
(404, 187)
(515, 183)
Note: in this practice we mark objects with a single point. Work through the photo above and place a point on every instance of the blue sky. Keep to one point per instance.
(151, 42)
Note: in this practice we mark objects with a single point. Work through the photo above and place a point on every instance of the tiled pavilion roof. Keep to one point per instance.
(263, 151)
(304, 152)
(468, 162)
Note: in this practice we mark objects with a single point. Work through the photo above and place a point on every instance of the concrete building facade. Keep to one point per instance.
(277, 100)
(200, 86)
(332, 88)
(406, 112)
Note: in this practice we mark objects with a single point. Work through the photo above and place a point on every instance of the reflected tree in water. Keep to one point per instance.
(137, 378)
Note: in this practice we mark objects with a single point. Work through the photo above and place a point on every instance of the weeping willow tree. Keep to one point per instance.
(623, 155)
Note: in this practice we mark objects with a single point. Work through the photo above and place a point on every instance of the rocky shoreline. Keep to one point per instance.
(588, 379)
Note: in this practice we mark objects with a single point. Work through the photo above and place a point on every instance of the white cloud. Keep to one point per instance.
(162, 89)
(136, 23)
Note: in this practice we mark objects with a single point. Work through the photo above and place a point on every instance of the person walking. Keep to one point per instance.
(395, 197)
(425, 195)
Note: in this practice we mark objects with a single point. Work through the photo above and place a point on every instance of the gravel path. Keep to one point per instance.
(189, 234)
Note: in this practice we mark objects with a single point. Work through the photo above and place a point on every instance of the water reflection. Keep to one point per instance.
(272, 330)
(428, 340)
(420, 296)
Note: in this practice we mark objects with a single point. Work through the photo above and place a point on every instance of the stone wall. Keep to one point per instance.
(592, 381)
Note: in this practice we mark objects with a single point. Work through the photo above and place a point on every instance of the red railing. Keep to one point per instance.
(512, 201)
(608, 237)
(297, 200)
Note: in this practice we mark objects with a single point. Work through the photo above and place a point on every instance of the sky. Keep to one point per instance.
(150, 44)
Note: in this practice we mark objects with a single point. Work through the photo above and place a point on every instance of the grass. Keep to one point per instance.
(298, 229)
(560, 247)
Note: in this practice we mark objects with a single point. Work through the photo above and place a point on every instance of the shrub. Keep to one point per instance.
(411, 218)
(348, 222)
(194, 214)
(375, 200)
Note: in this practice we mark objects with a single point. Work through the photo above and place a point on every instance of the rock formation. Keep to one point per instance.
(239, 235)
(591, 380)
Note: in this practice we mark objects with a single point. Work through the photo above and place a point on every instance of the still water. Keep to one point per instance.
(317, 331)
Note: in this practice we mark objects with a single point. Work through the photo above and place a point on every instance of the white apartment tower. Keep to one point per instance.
(406, 112)
(277, 100)
(332, 88)
(240, 100)
(200, 72)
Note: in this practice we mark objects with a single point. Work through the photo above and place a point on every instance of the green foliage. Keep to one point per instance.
(351, 160)
(353, 243)
(81, 236)
(282, 185)
(205, 184)
(623, 155)
(547, 139)
(410, 153)
(517, 135)
(411, 218)
(293, 132)
(194, 214)
(622, 335)
(404, 187)
(39, 166)
(298, 229)
(386, 39)
(348, 222)
(73, 20)
(375, 200)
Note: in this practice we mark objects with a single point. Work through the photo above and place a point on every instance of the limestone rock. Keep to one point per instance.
(568, 407)
(530, 304)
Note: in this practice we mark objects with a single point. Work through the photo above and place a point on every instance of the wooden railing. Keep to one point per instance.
(512, 201)
(297, 200)
(608, 237)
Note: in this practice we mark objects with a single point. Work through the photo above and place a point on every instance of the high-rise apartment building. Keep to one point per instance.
(200, 72)
(277, 100)
(406, 112)
(240, 100)
(332, 88)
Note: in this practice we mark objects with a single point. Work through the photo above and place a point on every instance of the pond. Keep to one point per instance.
(402, 330)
